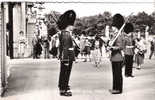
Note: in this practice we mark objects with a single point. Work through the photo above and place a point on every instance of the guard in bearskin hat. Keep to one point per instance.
(128, 28)
(117, 55)
(66, 50)
(66, 19)
(129, 49)
(117, 21)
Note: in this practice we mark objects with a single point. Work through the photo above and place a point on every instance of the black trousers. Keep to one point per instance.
(35, 53)
(128, 65)
(117, 75)
(152, 51)
(64, 76)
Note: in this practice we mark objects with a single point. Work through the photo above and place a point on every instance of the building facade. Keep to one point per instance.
(13, 19)
(3, 76)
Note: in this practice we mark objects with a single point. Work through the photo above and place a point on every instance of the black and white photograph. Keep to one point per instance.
(77, 50)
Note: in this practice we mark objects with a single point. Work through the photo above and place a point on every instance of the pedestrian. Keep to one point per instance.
(46, 47)
(152, 47)
(117, 56)
(57, 45)
(82, 44)
(34, 45)
(37, 48)
(66, 50)
(76, 47)
(129, 49)
(54, 46)
(22, 44)
(87, 50)
(101, 42)
(96, 54)
(140, 52)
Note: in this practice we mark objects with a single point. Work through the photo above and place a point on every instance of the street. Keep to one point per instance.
(37, 80)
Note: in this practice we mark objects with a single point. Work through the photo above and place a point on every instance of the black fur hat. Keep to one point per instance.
(66, 19)
(118, 21)
(128, 28)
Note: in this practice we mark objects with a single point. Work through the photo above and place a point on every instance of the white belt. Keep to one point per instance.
(70, 48)
(129, 46)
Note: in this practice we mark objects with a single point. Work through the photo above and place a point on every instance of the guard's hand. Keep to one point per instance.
(108, 48)
(123, 54)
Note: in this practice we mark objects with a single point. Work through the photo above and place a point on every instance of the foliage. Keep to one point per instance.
(96, 24)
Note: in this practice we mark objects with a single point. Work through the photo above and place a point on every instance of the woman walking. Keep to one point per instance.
(140, 52)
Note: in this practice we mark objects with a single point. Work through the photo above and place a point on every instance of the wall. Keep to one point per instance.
(31, 29)
(0, 50)
(3, 78)
(19, 24)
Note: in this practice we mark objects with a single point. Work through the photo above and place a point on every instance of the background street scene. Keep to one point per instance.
(31, 35)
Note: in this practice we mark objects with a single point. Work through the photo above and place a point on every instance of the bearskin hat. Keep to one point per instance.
(128, 28)
(118, 21)
(66, 19)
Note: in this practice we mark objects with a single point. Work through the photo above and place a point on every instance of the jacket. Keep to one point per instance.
(66, 47)
(129, 44)
(116, 53)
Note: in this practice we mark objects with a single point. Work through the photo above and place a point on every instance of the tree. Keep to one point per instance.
(152, 28)
(143, 18)
(96, 24)
(51, 19)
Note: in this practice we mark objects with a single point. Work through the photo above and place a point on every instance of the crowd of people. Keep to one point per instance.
(84, 46)
(90, 48)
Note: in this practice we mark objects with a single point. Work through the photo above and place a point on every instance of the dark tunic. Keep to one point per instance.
(66, 47)
(66, 57)
(129, 45)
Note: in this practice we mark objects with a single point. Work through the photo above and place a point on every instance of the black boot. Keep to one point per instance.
(115, 91)
(65, 93)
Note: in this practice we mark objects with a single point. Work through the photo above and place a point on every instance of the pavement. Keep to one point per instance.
(37, 80)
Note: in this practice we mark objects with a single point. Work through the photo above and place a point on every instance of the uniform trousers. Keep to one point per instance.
(65, 71)
(117, 75)
(128, 65)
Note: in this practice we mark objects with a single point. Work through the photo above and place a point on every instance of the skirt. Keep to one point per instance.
(139, 58)
(96, 55)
